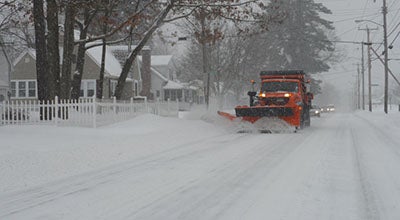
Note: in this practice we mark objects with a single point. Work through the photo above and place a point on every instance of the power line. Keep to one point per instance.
(395, 38)
(362, 16)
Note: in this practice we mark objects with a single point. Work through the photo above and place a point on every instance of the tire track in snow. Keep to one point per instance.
(367, 191)
(378, 155)
(211, 196)
(389, 141)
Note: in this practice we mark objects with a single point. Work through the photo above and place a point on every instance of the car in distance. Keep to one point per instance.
(315, 111)
(330, 108)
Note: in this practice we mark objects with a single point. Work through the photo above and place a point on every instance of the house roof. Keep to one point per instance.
(187, 85)
(30, 51)
(112, 65)
(155, 72)
(173, 85)
(156, 60)
(159, 60)
(122, 47)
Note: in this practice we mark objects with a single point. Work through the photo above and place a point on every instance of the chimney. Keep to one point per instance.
(146, 73)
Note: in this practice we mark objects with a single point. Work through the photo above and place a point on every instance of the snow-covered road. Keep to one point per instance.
(346, 166)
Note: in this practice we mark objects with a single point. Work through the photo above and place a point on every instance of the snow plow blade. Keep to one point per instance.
(227, 115)
(258, 124)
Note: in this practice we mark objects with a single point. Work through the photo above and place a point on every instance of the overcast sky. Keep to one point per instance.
(345, 12)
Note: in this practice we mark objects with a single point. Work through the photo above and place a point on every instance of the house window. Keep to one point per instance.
(179, 95)
(173, 95)
(23, 89)
(113, 86)
(32, 89)
(91, 88)
(136, 88)
(13, 89)
(88, 88)
(158, 93)
(166, 95)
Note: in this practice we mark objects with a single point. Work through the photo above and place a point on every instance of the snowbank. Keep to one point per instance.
(31, 155)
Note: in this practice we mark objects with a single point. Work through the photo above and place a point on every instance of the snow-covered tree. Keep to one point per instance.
(301, 40)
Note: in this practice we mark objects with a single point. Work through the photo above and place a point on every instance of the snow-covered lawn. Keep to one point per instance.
(346, 166)
(32, 155)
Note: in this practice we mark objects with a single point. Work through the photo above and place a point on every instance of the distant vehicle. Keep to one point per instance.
(330, 108)
(315, 111)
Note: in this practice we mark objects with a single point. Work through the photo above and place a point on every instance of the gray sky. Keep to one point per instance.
(345, 12)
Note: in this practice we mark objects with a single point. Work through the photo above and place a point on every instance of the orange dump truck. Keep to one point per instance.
(283, 95)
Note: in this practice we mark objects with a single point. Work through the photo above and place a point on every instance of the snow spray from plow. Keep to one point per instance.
(263, 125)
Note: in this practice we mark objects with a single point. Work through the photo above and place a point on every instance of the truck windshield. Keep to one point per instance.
(280, 87)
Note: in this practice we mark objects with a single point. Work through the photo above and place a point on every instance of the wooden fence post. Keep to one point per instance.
(2, 115)
(94, 111)
(131, 108)
(145, 105)
(177, 107)
(168, 106)
(56, 110)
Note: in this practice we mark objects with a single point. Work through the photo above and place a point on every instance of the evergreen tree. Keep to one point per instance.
(300, 41)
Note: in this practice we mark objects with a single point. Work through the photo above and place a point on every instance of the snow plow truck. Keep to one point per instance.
(282, 103)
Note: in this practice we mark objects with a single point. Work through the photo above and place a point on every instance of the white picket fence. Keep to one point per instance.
(89, 112)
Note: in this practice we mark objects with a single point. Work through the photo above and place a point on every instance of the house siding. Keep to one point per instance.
(25, 69)
(90, 70)
(157, 84)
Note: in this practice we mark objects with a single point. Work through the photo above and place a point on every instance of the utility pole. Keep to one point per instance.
(369, 64)
(385, 43)
(358, 87)
(362, 76)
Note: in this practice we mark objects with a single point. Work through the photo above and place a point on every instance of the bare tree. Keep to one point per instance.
(145, 18)
(41, 50)
(53, 48)
(178, 9)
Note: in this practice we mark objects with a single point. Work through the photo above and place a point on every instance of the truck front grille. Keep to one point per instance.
(264, 111)
(276, 101)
